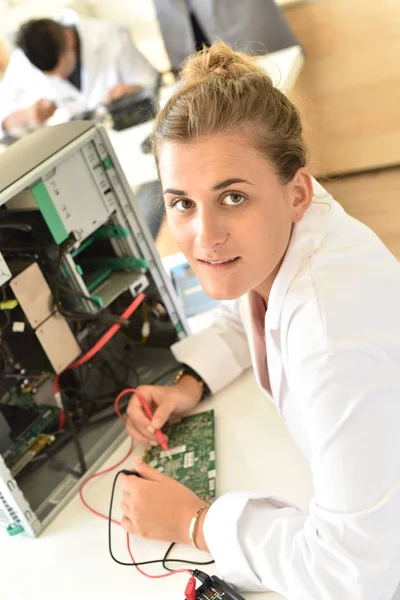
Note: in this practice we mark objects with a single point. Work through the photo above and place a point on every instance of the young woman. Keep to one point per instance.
(313, 303)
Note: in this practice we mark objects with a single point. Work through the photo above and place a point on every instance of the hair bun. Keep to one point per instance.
(219, 60)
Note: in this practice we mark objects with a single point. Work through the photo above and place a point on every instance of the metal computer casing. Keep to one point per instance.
(72, 173)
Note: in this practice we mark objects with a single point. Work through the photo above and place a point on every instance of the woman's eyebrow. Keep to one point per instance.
(228, 182)
(216, 187)
(175, 192)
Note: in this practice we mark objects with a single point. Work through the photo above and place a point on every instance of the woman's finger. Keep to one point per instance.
(127, 525)
(137, 435)
(125, 508)
(137, 415)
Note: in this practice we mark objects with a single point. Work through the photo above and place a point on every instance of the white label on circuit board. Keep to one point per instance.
(211, 474)
(5, 273)
(172, 451)
(212, 455)
(18, 327)
(188, 460)
(62, 490)
(211, 485)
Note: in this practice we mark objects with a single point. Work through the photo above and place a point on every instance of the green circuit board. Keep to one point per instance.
(31, 437)
(192, 454)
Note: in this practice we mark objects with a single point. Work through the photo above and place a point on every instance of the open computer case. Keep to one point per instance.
(74, 254)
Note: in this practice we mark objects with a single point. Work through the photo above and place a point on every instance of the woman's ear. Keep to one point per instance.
(301, 193)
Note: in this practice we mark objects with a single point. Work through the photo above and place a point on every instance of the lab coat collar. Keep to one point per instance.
(306, 237)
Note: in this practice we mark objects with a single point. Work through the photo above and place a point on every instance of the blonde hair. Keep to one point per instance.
(225, 91)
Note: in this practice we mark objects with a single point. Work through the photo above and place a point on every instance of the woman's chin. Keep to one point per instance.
(223, 292)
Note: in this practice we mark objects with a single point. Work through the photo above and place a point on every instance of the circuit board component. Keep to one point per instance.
(191, 456)
(28, 423)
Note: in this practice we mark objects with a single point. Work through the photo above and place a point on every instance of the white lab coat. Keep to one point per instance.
(107, 57)
(331, 358)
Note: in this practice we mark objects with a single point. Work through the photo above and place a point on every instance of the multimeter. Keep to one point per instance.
(216, 589)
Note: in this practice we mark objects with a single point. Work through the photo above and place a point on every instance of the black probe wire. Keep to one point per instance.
(188, 562)
(112, 416)
(146, 562)
(75, 439)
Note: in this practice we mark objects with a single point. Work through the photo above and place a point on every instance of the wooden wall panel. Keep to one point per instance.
(349, 89)
(373, 198)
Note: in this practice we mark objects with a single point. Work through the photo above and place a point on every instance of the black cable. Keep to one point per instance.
(80, 410)
(63, 439)
(166, 556)
(106, 370)
(188, 562)
(18, 226)
(74, 435)
(126, 364)
(61, 465)
(165, 374)
(58, 286)
(110, 417)
(123, 405)
(146, 562)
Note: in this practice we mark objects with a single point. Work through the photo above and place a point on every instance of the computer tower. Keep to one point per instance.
(74, 253)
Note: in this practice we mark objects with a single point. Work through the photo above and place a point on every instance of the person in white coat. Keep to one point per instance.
(72, 63)
(312, 303)
(255, 25)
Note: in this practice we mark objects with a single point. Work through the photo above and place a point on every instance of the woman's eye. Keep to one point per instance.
(233, 199)
(183, 204)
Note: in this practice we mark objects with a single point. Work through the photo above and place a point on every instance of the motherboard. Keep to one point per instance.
(191, 455)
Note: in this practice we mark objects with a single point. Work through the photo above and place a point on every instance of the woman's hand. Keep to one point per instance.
(159, 508)
(165, 402)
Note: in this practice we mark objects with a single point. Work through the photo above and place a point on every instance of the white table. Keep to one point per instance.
(70, 560)
(283, 66)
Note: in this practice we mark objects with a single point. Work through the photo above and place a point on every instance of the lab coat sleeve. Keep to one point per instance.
(133, 67)
(9, 91)
(347, 546)
(220, 353)
(21, 86)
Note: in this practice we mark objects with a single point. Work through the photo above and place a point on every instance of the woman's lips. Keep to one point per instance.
(223, 265)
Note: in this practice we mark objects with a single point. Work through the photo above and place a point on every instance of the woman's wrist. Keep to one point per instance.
(191, 386)
(185, 371)
(198, 535)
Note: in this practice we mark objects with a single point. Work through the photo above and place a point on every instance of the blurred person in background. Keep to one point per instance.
(3, 58)
(255, 26)
(70, 63)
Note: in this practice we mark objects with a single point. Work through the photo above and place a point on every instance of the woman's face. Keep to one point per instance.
(229, 213)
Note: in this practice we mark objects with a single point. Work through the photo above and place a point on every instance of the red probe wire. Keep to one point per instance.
(162, 440)
(106, 337)
(190, 590)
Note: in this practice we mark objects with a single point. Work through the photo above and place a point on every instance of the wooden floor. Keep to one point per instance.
(372, 198)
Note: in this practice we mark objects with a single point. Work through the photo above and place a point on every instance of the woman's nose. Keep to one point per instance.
(211, 231)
